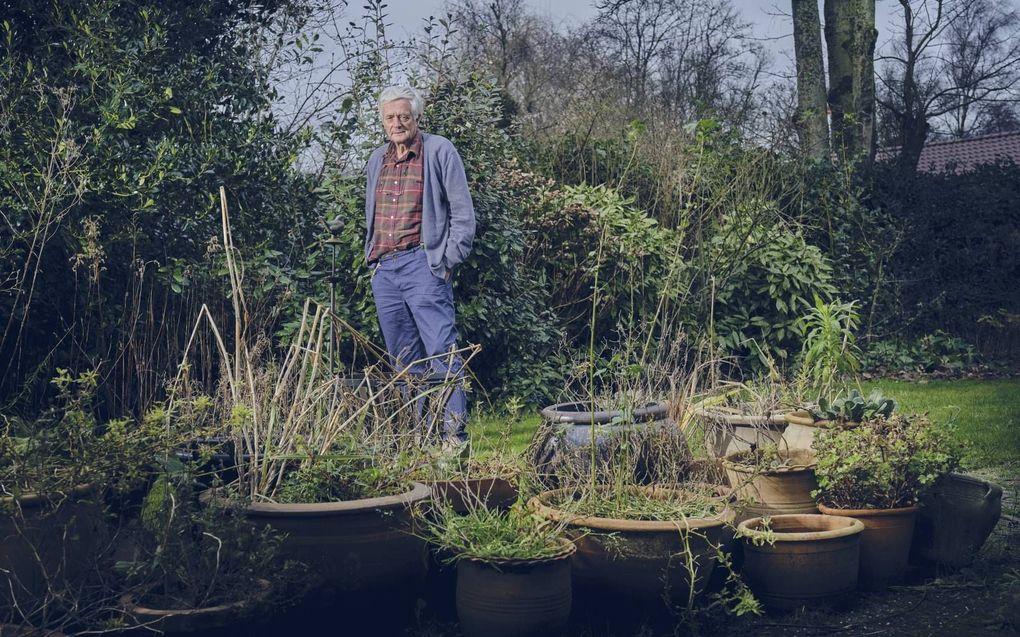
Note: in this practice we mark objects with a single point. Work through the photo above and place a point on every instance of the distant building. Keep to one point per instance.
(962, 155)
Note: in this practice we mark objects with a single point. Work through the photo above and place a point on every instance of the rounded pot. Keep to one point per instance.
(885, 542)
(185, 621)
(510, 598)
(46, 538)
(642, 561)
(357, 545)
(812, 559)
(777, 491)
(495, 492)
(563, 445)
(729, 432)
(957, 515)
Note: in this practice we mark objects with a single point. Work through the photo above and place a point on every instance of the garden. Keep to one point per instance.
(720, 379)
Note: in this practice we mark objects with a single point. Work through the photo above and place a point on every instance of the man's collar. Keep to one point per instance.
(413, 151)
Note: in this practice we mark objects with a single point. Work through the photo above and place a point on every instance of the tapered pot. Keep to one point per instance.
(885, 542)
(644, 562)
(773, 491)
(804, 560)
(357, 545)
(727, 432)
(512, 598)
(955, 519)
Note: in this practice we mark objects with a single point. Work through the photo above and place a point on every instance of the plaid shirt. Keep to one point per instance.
(398, 201)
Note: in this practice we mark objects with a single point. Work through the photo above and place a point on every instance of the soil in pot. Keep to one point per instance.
(811, 560)
(510, 598)
(885, 542)
(772, 490)
(957, 515)
(644, 562)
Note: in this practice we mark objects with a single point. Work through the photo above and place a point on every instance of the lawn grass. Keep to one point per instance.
(986, 414)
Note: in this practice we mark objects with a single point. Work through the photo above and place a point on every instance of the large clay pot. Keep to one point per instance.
(777, 491)
(729, 432)
(955, 519)
(563, 445)
(187, 621)
(357, 545)
(885, 542)
(46, 538)
(811, 559)
(493, 493)
(644, 562)
(511, 598)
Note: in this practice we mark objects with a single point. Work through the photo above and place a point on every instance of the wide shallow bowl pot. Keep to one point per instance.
(187, 621)
(493, 493)
(812, 559)
(356, 545)
(511, 598)
(885, 542)
(642, 561)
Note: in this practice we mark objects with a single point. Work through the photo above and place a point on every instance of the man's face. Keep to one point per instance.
(398, 122)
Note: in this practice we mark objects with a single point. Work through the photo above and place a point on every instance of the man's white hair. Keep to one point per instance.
(391, 93)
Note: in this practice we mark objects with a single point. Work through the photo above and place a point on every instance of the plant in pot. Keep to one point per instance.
(845, 410)
(738, 416)
(193, 568)
(875, 472)
(772, 480)
(513, 568)
(58, 474)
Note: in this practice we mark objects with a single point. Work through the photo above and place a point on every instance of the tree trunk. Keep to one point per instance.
(812, 116)
(850, 37)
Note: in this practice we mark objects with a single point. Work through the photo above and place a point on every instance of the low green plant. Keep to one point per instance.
(487, 534)
(675, 502)
(192, 556)
(883, 462)
(853, 407)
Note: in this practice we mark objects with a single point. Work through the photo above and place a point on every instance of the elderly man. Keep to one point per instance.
(421, 224)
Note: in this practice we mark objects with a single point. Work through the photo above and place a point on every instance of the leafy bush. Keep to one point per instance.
(883, 463)
(938, 352)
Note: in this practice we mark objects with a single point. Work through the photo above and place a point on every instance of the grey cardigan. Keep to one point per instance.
(448, 216)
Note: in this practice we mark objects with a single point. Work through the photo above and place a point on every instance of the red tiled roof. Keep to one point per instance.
(964, 154)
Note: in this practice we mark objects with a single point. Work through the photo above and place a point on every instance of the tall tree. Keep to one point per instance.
(812, 108)
(850, 37)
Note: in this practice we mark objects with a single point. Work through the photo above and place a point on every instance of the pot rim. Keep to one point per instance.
(854, 527)
(867, 513)
(652, 410)
(567, 549)
(129, 604)
(539, 504)
(417, 493)
(806, 457)
(34, 499)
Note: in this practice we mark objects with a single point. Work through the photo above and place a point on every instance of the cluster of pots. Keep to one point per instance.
(798, 552)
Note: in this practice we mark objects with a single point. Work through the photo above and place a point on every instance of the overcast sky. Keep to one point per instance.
(770, 18)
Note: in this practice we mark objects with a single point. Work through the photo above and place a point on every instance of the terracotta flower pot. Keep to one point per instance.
(642, 561)
(955, 519)
(779, 491)
(729, 432)
(813, 559)
(185, 621)
(511, 598)
(885, 542)
(356, 545)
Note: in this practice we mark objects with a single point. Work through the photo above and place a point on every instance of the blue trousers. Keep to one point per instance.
(417, 318)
